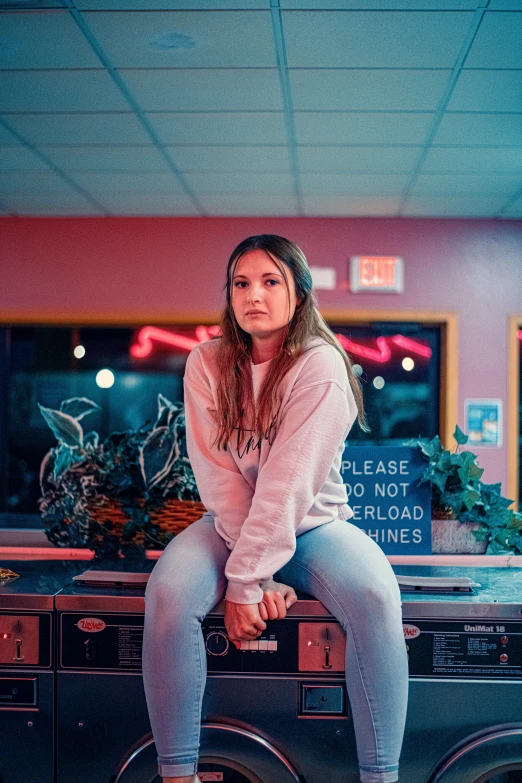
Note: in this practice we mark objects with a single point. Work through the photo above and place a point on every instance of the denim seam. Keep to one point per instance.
(356, 647)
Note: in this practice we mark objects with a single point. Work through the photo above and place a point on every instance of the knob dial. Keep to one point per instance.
(217, 643)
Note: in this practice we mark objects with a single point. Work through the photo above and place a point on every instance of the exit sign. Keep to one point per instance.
(382, 274)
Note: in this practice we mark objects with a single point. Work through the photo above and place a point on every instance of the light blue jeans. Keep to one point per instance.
(338, 564)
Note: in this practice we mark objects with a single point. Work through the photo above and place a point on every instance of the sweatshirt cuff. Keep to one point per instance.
(244, 593)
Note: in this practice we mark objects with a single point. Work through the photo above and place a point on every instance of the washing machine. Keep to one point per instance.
(27, 671)
(277, 710)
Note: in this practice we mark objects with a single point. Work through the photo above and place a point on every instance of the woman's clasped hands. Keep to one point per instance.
(245, 622)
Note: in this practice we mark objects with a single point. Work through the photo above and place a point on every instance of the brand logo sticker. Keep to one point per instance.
(410, 631)
(91, 624)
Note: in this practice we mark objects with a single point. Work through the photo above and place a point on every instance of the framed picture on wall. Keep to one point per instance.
(483, 422)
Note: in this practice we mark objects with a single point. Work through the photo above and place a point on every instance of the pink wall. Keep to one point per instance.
(139, 267)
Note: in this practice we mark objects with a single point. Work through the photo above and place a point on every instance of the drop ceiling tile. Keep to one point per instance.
(488, 91)
(207, 39)
(453, 206)
(372, 160)
(237, 182)
(249, 204)
(493, 130)
(74, 129)
(203, 89)
(362, 40)
(110, 183)
(349, 185)
(41, 192)
(219, 128)
(52, 204)
(363, 90)
(342, 206)
(505, 5)
(392, 5)
(108, 158)
(59, 91)
(466, 184)
(362, 128)
(44, 40)
(6, 137)
(515, 210)
(20, 158)
(167, 5)
(473, 160)
(230, 158)
(497, 43)
(35, 182)
(143, 203)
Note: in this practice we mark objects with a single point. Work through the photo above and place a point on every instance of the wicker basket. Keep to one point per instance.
(173, 516)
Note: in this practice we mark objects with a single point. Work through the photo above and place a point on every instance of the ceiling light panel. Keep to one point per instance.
(185, 40)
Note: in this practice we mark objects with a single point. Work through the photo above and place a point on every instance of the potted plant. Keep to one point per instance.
(132, 492)
(468, 516)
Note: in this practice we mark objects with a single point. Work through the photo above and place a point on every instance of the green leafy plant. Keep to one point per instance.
(458, 493)
(140, 469)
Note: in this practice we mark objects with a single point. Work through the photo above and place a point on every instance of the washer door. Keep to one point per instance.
(228, 754)
(492, 757)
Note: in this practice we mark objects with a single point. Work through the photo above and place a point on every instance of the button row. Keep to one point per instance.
(262, 644)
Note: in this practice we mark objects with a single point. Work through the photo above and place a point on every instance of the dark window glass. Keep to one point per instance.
(519, 334)
(38, 365)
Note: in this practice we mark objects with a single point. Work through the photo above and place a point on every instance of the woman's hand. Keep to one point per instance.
(277, 598)
(243, 622)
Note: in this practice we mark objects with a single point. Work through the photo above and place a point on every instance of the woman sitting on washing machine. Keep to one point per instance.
(268, 407)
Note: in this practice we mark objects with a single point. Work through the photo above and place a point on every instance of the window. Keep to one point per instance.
(399, 366)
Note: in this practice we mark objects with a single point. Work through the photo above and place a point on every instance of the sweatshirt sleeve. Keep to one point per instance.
(316, 421)
(224, 491)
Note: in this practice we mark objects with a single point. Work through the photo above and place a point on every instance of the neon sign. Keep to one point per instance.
(382, 354)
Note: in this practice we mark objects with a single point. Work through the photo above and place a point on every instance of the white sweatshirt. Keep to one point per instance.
(265, 493)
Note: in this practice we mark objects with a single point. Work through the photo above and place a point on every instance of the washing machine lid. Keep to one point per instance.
(496, 593)
(37, 582)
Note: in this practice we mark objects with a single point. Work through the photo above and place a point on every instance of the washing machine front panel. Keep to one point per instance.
(27, 661)
(293, 697)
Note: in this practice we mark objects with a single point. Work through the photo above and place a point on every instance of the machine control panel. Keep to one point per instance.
(436, 648)
(458, 648)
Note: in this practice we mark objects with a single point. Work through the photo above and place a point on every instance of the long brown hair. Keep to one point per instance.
(235, 396)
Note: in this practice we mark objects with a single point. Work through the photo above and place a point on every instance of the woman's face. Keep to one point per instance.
(259, 285)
